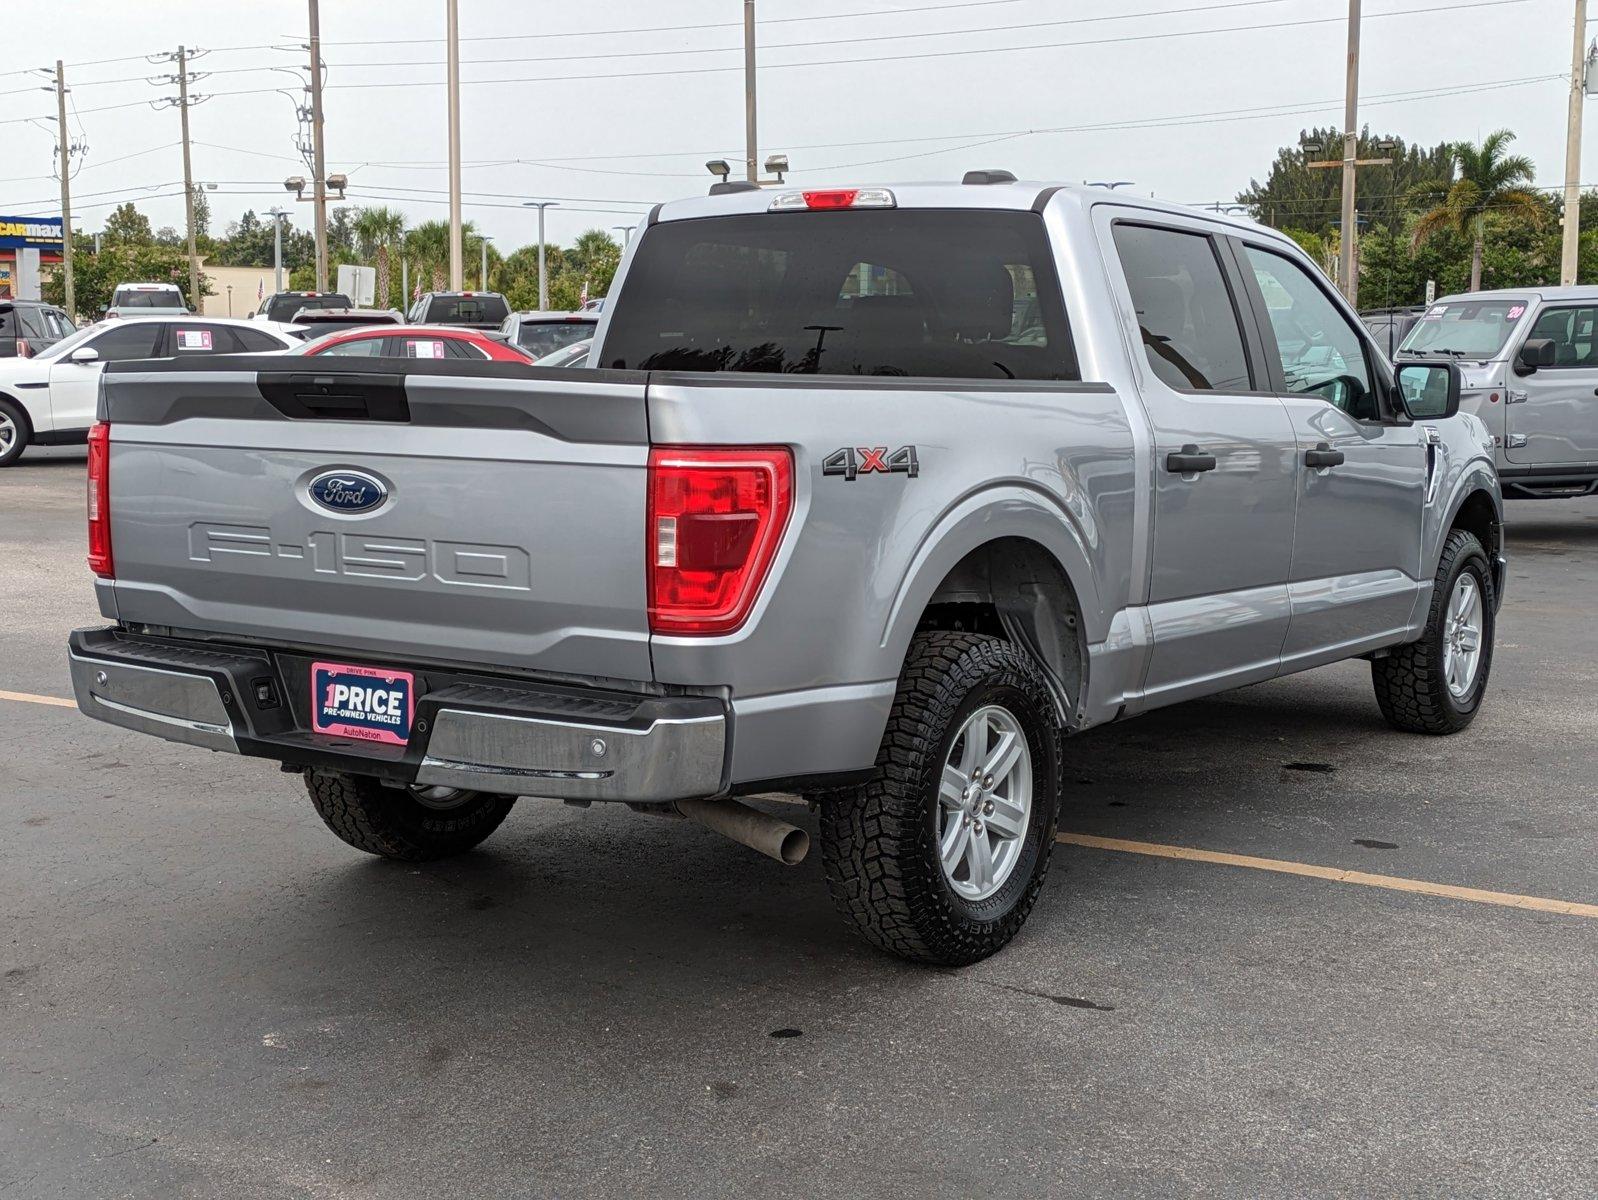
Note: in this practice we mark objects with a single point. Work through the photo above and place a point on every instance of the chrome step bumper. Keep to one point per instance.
(481, 733)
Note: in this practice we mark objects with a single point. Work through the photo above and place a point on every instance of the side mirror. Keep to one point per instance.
(84, 355)
(1534, 353)
(1428, 391)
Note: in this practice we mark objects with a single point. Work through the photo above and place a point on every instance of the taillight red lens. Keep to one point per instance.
(716, 518)
(23, 349)
(100, 500)
(842, 198)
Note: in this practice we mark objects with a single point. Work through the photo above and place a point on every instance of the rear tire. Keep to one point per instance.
(13, 432)
(1435, 684)
(407, 824)
(885, 844)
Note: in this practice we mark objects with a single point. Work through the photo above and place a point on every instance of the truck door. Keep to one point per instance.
(1225, 467)
(1361, 477)
(1552, 416)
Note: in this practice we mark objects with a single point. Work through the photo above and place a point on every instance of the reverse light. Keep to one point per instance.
(100, 500)
(833, 199)
(716, 517)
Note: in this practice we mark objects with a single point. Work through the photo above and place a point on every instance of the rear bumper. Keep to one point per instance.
(485, 733)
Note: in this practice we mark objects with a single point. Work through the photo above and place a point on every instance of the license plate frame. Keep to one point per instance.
(369, 704)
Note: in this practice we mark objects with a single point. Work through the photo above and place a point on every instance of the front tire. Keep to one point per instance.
(408, 824)
(1435, 684)
(940, 857)
(13, 432)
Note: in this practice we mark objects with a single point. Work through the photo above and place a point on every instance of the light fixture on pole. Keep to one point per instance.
(543, 278)
(1107, 184)
(626, 234)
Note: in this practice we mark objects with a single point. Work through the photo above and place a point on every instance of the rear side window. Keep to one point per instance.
(1184, 309)
(257, 342)
(932, 293)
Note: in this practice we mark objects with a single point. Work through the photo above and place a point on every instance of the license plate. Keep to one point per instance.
(368, 703)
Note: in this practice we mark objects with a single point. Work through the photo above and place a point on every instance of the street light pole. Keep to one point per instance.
(626, 234)
(1348, 269)
(483, 240)
(453, 72)
(543, 279)
(751, 152)
(1569, 249)
(277, 215)
(63, 144)
(318, 156)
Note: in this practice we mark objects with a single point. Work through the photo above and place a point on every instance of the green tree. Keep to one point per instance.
(377, 232)
(127, 226)
(1488, 182)
(1295, 195)
(95, 276)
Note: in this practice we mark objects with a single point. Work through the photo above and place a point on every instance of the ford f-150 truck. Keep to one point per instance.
(870, 495)
(1529, 360)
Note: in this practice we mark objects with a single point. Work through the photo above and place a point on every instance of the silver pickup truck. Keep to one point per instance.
(871, 495)
(1529, 360)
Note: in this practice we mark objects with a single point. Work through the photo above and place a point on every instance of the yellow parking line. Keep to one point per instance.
(1394, 883)
(30, 698)
(1568, 908)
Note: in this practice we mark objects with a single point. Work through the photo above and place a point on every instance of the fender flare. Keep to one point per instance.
(1006, 511)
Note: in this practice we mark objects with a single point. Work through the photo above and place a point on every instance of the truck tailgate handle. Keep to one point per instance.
(1189, 460)
(335, 396)
(1324, 456)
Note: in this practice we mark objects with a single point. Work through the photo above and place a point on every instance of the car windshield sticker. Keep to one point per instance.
(194, 339)
(416, 349)
(1515, 311)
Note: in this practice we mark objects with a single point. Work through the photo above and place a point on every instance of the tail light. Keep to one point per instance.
(23, 349)
(100, 500)
(716, 518)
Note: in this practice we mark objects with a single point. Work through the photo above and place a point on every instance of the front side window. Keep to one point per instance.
(1184, 309)
(1571, 331)
(127, 342)
(1321, 352)
(928, 293)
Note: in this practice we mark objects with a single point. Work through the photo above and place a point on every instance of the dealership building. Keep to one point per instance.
(26, 233)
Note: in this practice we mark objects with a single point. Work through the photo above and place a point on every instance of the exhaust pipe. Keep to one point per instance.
(770, 835)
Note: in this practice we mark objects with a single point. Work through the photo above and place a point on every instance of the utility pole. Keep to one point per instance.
(63, 146)
(318, 153)
(543, 279)
(453, 71)
(1578, 88)
(1350, 270)
(751, 140)
(277, 215)
(188, 178)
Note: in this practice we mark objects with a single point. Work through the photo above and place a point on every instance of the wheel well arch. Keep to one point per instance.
(22, 410)
(1479, 515)
(1014, 588)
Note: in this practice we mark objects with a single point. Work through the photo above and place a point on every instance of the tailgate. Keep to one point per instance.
(457, 511)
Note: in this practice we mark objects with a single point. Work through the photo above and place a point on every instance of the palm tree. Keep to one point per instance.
(376, 230)
(427, 245)
(1489, 181)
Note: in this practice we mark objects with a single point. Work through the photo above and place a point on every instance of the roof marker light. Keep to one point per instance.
(833, 198)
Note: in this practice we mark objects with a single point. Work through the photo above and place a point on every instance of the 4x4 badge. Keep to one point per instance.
(854, 461)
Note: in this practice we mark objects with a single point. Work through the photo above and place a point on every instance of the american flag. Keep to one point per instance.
(260, 288)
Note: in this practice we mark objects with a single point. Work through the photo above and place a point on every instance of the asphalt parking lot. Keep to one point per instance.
(204, 993)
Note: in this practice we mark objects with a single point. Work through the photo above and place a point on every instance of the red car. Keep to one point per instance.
(415, 341)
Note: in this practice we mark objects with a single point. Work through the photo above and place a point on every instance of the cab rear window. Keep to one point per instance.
(931, 293)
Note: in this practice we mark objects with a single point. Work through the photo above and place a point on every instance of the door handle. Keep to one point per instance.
(1515, 397)
(1189, 460)
(1324, 456)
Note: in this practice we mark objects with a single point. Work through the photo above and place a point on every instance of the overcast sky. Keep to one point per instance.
(611, 105)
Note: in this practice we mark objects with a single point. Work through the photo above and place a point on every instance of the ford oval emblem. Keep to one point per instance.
(348, 491)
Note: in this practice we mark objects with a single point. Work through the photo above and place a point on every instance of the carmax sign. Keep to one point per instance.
(30, 233)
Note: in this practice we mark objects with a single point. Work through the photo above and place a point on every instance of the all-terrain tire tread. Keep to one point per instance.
(392, 824)
(872, 835)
